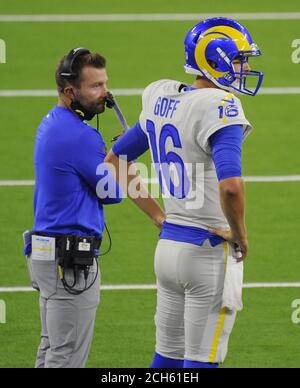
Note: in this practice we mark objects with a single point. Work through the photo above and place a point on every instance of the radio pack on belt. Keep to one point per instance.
(77, 253)
(77, 250)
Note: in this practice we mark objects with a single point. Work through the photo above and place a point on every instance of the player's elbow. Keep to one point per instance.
(110, 157)
(113, 163)
(231, 187)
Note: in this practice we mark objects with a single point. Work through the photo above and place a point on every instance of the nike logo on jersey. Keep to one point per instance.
(231, 101)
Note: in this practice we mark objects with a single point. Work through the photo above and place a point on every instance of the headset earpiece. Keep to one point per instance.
(67, 68)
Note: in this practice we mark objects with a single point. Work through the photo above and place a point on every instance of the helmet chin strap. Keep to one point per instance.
(190, 70)
(224, 87)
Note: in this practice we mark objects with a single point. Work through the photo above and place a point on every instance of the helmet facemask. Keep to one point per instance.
(244, 81)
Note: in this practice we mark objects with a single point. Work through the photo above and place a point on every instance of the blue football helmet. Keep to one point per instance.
(213, 45)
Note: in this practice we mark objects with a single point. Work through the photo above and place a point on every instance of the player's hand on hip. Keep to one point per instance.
(239, 244)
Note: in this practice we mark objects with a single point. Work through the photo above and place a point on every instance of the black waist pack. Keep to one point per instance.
(77, 250)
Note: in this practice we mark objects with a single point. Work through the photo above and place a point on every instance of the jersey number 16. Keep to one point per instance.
(163, 160)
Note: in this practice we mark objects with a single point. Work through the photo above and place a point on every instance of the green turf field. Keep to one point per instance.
(138, 53)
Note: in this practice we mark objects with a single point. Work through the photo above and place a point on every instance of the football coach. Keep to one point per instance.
(68, 214)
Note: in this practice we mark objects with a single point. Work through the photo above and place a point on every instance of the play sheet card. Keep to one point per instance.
(43, 248)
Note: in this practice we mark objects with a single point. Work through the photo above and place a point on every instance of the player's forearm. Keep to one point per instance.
(150, 207)
(131, 183)
(138, 193)
(232, 195)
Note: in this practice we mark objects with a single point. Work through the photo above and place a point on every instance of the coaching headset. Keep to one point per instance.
(68, 74)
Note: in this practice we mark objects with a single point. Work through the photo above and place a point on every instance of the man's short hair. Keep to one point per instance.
(92, 60)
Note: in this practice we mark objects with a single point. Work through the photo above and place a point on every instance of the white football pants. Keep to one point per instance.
(190, 323)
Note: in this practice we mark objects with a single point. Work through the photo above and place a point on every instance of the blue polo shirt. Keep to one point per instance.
(67, 154)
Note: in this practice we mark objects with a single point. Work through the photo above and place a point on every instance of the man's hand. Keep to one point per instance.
(239, 244)
(159, 220)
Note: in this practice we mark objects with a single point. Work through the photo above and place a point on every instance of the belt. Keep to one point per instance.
(60, 237)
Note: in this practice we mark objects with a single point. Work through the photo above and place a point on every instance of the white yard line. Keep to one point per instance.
(16, 183)
(272, 179)
(131, 287)
(271, 285)
(251, 179)
(154, 181)
(148, 17)
(283, 90)
(134, 92)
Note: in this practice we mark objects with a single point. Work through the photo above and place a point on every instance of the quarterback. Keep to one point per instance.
(199, 257)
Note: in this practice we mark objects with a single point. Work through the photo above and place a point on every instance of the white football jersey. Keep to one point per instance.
(179, 123)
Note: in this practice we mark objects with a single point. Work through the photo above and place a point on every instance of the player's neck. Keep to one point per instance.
(63, 102)
(202, 83)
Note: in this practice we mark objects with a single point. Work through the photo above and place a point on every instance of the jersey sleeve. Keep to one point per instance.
(132, 144)
(226, 146)
(220, 111)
